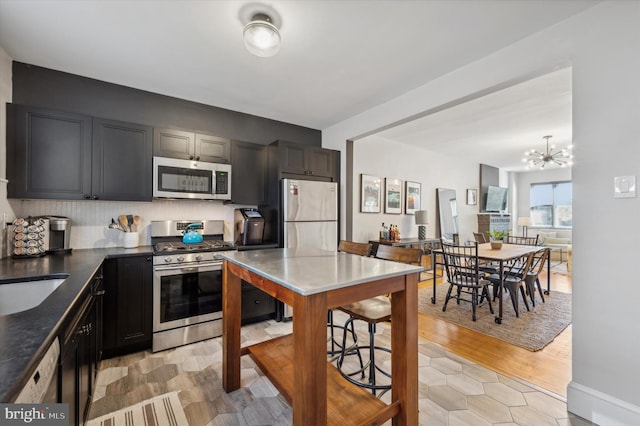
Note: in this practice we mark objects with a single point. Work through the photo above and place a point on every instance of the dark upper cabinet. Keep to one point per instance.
(127, 308)
(48, 153)
(59, 155)
(307, 160)
(249, 164)
(190, 146)
(122, 161)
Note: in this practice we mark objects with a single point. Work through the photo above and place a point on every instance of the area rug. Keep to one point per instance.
(533, 330)
(163, 410)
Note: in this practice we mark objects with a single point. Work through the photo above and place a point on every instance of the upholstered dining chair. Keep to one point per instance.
(373, 311)
(463, 274)
(360, 249)
(532, 280)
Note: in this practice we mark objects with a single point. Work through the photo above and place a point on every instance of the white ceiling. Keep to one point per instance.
(338, 58)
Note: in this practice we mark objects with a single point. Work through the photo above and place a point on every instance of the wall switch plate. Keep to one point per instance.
(624, 187)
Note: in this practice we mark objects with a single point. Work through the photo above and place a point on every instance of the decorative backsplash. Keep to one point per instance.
(90, 219)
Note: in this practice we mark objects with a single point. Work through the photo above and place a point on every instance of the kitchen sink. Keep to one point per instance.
(17, 295)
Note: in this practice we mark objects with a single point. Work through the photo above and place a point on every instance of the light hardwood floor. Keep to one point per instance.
(549, 368)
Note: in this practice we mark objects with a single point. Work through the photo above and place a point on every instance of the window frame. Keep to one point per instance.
(553, 206)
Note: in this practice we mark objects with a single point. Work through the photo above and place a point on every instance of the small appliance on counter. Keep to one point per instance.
(249, 227)
(59, 235)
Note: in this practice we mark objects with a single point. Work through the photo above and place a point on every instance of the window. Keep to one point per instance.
(550, 204)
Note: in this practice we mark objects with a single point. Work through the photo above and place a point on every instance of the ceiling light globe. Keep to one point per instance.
(261, 37)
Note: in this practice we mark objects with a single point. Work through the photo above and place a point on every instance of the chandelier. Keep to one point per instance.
(560, 157)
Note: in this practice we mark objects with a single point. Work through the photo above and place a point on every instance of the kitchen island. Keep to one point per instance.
(313, 281)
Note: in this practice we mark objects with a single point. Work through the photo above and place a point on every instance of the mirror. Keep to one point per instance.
(447, 213)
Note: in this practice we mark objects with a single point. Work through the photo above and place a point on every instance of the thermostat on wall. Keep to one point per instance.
(624, 187)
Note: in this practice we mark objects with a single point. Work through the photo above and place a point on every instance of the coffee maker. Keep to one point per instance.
(59, 235)
(249, 227)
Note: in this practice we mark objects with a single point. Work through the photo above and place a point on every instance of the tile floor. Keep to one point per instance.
(452, 390)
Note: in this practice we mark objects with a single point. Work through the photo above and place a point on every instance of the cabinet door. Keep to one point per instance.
(134, 320)
(49, 154)
(321, 162)
(212, 149)
(173, 144)
(69, 380)
(249, 163)
(292, 158)
(122, 161)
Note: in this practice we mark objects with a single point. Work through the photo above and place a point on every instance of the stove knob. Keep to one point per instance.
(167, 259)
(199, 257)
(180, 258)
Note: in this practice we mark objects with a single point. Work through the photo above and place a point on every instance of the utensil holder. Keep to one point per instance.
(130, 239)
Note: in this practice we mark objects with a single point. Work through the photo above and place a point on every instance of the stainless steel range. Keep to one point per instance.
(187, 282)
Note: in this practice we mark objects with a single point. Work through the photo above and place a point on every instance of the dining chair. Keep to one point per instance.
(360, 249)
(532, 280)
(373, 311)
(462, 266)
(524, 241)
(480, 237)
(513, 279)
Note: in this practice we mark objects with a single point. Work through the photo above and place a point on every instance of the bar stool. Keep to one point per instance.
(373, 311)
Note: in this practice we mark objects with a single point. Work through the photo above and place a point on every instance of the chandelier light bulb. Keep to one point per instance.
(551, 155)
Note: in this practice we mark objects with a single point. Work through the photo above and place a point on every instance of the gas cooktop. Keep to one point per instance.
(206, 245)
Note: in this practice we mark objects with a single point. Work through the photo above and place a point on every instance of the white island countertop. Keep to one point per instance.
(311, 271)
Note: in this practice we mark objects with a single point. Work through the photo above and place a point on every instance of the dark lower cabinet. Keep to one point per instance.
(256, 304)
(81, 353)
(128, 305)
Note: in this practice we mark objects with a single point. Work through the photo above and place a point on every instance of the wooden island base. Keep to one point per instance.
(346, 404)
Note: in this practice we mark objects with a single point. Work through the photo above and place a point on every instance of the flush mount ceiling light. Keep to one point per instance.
(561, 157)
(261, 37)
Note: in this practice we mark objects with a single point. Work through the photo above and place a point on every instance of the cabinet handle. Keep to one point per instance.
(99, 293)
(198, 158)
(86, 196)
(257, 302)
(94, 197)
(191, 157)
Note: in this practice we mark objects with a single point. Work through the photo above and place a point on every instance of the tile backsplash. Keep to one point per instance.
(90, 219)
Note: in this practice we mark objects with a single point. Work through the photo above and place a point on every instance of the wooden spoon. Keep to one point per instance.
(136, 222)
(124, 222)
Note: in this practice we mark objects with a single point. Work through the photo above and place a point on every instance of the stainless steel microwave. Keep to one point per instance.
(175, 178)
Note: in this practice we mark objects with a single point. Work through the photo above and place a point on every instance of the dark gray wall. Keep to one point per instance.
(37, 86)
(489, 176)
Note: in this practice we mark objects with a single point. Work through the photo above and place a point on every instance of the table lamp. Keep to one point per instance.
(524, 222)
(421, 220)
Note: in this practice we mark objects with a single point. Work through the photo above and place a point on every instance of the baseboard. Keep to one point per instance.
(600, 408)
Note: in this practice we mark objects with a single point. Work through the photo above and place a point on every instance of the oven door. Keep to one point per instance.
(184, 295)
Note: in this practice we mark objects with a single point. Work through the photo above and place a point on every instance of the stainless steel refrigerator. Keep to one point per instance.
(310, 217)
(310, 214)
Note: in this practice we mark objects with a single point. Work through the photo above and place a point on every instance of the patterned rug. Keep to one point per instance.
(533, 330)
(163, 410)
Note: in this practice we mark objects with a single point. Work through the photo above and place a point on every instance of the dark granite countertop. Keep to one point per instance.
(25, 336)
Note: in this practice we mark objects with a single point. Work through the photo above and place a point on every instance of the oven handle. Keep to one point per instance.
(217, 266)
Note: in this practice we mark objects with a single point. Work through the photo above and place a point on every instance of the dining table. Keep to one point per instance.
(507, 253)
(313, 281)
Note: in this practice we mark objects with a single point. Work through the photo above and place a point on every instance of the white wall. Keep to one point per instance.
(380, 157)
(603, 47)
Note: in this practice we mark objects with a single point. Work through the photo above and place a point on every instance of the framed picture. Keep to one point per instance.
(412, 197)
(472, 197)
(393, 196)
(370, 191)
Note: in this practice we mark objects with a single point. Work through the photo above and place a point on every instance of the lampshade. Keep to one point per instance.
(523, 221)
(422, 217)
(261, 37)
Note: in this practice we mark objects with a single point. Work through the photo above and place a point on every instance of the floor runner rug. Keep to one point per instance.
(533, 330)
(163, 410)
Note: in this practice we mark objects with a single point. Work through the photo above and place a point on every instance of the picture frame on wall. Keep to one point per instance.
(412, 197)
(393, 196)
(472, 197)
(370, 193)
